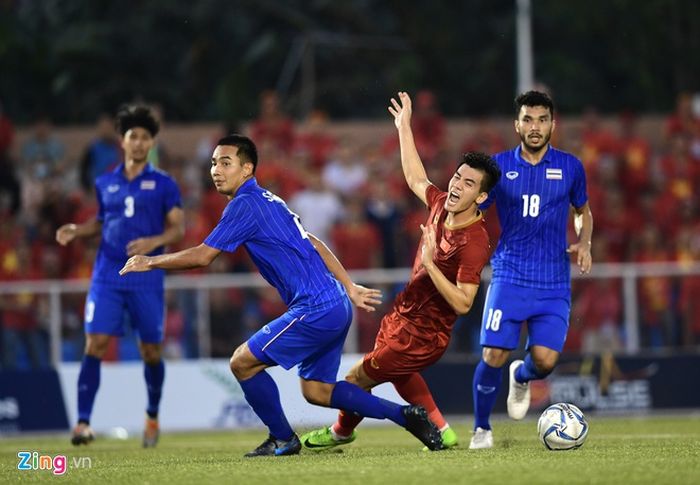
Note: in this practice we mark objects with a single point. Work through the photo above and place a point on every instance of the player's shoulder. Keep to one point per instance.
(160, 174)
(505, 156)
(561, 156)
(108, 178)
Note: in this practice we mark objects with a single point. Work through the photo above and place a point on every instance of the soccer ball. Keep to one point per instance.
(562, 426)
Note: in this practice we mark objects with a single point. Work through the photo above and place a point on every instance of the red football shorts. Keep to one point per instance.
(400, 350)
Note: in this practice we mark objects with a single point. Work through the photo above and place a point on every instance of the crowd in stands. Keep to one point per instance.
(351, 193)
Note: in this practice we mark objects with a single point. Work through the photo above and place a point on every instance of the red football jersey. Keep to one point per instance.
(461, 253)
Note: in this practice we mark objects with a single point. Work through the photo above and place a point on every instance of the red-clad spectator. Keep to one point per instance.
(7, 133)
(615, 225)
(272, 125)
(19, 312)
(356, 242)
(688, 251)
(655, 292)
(598, 144)
(598, 309)
(317, 139)
(486, 139)
(635, 158)
(684, 120)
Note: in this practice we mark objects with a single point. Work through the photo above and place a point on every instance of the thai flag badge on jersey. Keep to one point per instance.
(554, 174)
(151, 184)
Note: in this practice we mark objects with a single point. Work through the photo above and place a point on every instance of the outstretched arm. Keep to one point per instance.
(67, 232)
(361, 297)
(196, 257)
(583, 224)
(412, 166)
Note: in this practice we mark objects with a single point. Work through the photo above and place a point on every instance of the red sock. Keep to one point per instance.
(346, 423)
(415, 391)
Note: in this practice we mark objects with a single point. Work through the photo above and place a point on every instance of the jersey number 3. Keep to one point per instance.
(129, 206)
(531, 205)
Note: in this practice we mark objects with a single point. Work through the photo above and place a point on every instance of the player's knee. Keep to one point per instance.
(96, 347)
(316, 392)
(151, 354)
(544, 365)
(495, 357)
(238, 364)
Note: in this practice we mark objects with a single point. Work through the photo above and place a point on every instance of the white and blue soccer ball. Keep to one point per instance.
(562, 426)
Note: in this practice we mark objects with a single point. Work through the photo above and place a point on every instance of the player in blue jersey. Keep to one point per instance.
(531, 265)
(312, 331)
(139, 213)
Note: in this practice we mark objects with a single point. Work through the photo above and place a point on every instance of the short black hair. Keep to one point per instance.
(483, 163)
(131, 116)
(247, 151)
(533, 98)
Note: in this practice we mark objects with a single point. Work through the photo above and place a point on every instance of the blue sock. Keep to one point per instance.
(351, 398)
(487, 381)
(528, 372)
(155, 375)
(263, 396)
(88, 383)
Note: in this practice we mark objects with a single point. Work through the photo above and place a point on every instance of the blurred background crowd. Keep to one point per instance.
(350, 192)
(631, 114)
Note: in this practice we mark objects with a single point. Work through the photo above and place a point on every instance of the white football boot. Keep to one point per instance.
(481, 439)
(518, 394)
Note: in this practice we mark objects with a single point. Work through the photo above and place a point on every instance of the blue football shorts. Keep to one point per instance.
(507, 306)
(314, 340)
(105, 309)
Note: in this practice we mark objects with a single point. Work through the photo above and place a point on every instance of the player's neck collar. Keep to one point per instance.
(453, 227)
(545, 155)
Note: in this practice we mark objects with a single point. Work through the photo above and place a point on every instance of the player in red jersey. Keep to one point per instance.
(445, 278)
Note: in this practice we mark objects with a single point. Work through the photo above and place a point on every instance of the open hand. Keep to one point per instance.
(142, 245)
(583, 256)
(365, 298)
(401, 111)
(136, 264)
(428, 249)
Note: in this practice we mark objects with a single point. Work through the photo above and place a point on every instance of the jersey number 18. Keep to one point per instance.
(531, 205)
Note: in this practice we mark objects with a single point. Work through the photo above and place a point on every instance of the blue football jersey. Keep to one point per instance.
(130, 210)
(533, 209)
(279, 247)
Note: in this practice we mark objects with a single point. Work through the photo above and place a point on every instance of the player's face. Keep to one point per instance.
(535, 126)
(464, 189)
(136, 144)
(226, 170)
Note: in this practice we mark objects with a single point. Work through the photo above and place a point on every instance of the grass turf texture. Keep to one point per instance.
(654, 450)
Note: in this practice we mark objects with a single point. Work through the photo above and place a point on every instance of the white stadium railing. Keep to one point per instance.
(629, 273)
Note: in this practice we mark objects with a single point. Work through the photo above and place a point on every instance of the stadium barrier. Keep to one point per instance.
(31, 401)
(604, 383)
(55, 290)
(197, 395)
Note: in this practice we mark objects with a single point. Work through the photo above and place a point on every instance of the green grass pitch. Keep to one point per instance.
(655, 450)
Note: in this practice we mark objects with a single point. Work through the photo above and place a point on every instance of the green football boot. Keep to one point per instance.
(449, 439)
(322, 439)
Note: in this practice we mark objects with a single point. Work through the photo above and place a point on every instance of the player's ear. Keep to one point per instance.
(554, 125)
(516, 124)
(482, 198)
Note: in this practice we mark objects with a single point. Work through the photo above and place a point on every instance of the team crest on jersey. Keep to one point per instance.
(112, 188)
(554, 174)
(148, 185)
(512, 175)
